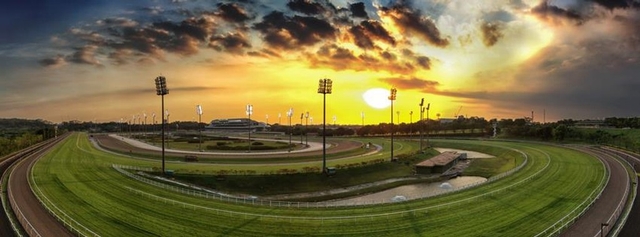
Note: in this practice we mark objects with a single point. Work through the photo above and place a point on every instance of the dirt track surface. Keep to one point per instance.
(113, 143)
(43, 222)
(631, 228)
(589, 224)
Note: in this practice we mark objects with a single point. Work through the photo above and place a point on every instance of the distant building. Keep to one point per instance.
(236, 125)
(440, 163)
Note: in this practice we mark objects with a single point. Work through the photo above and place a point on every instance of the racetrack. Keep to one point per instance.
(606, 208)
(38, 220)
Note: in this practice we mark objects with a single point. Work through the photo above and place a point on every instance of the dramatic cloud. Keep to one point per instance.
(556, 14)
(233, 42)
(613, 4)
(358, 10)
(232, 12)
(490, 33)
(53, 62)
(367, 31)
(85, 55)
(412, 22)
(280, 31)
(306, 7)
(412, 84)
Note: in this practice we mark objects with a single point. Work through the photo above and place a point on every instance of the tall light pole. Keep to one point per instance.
(392, 97)
(199, 112)
(362, 116)
(410, 124)
(166, 113)
(153, 128)
(290, 114)
(334, 120)
(144, 125)
(306, 137)
(249, 113)
(279, 118)
(267, 119)
(421, 122)
(428, 105)
(301, 117)
(324, 88)
(161, 90)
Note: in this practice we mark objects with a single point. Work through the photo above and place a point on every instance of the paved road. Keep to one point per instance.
(604, 208)
(19, 189)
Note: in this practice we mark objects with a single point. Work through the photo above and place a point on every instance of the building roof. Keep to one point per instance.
(442, 159)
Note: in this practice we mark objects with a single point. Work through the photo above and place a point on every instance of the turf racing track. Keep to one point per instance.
(545, 197)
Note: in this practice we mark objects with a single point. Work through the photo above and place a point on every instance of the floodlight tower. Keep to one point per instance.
(301, 117)
(306, 137)
(290, 114)
(161, 90)
(421, 122)
(428, 106)
(410, 124)
(324, 88)
(199, 112)
(249, 113)
(392, 97)
(144, 125)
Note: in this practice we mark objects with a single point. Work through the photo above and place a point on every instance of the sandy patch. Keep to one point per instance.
(470, 154)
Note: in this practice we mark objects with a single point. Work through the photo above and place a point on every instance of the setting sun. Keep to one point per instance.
(377, 98)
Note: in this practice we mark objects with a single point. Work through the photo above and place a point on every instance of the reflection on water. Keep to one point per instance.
(413, 191)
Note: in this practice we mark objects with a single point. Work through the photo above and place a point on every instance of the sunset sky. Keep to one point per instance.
(97, 60)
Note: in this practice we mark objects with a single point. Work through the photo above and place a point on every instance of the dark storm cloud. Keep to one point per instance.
(233, 43)
(339, 58)
(412, 84)
(232, 12)
(265, 53)
(53, 62)
(490, 33)
(552, 13)
(358, 10)
(410, 21)
(195, 28)
(368, 31)
(306, 7)
(613, 4)
(283, 32)
(424, 62)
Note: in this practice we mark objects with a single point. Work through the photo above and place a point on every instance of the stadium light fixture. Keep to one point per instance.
(249, 113)
(392, 97)
(290, 114)
(199, 112)
(324, 88)
(161, 90)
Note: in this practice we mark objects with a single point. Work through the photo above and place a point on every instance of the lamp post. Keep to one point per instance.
(421, 122)
(166, 112)
(267, 119)
(428, 105)
(301, 117)
(249, 113)
(324, 88)
(398, 113)
(290, 114)
(362, 116)
(153, 128)
(334, 120)
(410, 124)
(199, 112)
(144, 125)
(306, 137)
(392, 97)
(279, 118)
(161, 90)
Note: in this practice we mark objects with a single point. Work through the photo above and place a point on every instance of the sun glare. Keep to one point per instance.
(377, 98)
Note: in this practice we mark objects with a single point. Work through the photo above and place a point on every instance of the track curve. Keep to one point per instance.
(606, 208)
(39, 221)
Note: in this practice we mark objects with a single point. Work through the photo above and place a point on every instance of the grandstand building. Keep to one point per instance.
(236, 125)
